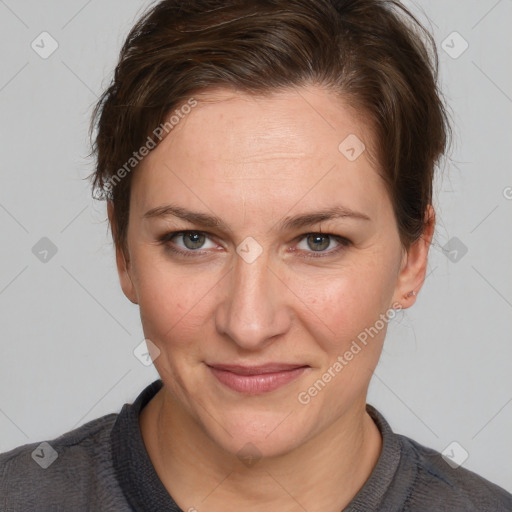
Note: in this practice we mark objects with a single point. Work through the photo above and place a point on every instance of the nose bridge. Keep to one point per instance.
(255, 309)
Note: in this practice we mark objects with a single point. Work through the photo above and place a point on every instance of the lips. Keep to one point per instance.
(254, 380)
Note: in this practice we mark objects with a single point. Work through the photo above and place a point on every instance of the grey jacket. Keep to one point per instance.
(104, 466)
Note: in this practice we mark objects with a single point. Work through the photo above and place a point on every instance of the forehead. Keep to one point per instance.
(272, 150)
(303, 122)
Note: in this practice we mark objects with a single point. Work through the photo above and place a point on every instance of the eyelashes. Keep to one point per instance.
(194, 238)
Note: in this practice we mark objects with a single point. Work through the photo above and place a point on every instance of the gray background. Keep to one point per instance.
(68, 332)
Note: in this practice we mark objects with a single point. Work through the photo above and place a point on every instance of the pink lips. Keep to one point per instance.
(254, 380)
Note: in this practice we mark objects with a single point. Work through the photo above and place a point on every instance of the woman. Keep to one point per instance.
(268, 168)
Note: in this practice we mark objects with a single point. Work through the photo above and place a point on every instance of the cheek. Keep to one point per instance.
(172, 300)
(173, 309)
(339, 304)
(343, 316)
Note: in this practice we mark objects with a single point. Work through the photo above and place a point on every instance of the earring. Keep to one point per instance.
(412, 293)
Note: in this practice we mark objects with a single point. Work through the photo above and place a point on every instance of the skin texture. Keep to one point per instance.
(254, 162)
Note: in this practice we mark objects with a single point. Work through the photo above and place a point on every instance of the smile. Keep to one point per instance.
(255, 380)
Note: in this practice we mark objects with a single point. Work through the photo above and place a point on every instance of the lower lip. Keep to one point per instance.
(256, 384)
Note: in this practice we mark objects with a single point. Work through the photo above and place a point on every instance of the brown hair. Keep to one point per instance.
(372, 53)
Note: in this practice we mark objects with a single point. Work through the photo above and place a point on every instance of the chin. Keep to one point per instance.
(260, 434)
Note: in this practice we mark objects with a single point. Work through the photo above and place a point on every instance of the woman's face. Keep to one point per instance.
(254, 312)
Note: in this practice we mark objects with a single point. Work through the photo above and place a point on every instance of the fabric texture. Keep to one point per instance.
(104, 466)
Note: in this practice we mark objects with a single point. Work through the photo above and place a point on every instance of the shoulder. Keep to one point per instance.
(447, 486)
(68, 471)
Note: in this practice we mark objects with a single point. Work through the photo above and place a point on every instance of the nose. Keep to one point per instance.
(254, 310)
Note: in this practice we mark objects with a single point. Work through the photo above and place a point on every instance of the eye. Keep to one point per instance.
(320, 242)
(187, 242)
(198, 243)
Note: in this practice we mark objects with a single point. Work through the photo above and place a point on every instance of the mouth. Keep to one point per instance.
(255, 380)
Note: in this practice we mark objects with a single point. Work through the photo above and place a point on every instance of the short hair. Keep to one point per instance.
(373, 54)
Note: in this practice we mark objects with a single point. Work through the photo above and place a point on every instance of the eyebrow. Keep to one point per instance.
(287, 223)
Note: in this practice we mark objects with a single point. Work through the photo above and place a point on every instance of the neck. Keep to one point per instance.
(324, 473)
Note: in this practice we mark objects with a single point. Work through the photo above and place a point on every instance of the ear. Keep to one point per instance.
(414, 264)
(122, 261)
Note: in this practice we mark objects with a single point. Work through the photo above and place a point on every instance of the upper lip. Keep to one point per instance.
(256, 370)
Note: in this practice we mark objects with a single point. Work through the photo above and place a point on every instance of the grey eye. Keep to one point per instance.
(193, 240)
(318, 242)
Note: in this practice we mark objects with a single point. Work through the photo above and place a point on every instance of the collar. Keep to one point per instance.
(145, 491)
